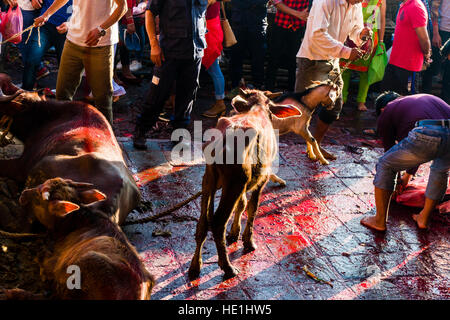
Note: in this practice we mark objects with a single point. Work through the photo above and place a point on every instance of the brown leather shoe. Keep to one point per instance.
(217, 109)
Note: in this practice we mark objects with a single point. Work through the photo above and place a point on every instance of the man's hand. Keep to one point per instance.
(156, 54)
(402, 183)
(303, 15)
(93, 38)
(355, 54)
(62, 28)
(366, 33)
(37, 4)
(437, 41)
(40, 21)
(131, 28)
(11, 3)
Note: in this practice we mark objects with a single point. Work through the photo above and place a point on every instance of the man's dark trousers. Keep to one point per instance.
(250, 39)
(185, 73)
(284, 44)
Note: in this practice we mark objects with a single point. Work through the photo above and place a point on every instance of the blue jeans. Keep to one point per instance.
(49, 37)
(423, 144)
(217, 77)
(28, 20)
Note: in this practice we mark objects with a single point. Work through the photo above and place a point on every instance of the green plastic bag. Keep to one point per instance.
(378, 64)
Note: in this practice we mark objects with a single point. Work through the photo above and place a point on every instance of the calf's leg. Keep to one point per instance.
(247, 236)
(233, 235)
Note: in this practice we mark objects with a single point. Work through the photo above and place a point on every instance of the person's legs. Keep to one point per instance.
(346, 77)
(219, 89)
(70, 69)
(276, 44)
(293, 45)
(257, 42)
(186, 89)
(419, 147)
(363, 89)
(237, 54)
(98, 64)
(445, 91)
(35, 52)
(396, 79)
(28, 19)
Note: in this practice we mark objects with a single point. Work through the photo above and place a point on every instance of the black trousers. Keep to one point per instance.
(183, 72)
(283, 47)
(396, 79)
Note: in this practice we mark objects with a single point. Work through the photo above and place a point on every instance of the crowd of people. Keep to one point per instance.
(315, 40)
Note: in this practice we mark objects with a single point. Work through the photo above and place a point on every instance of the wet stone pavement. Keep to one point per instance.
(313, 222)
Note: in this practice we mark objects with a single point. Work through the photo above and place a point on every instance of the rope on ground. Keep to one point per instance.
(12, 235)
(164, 213)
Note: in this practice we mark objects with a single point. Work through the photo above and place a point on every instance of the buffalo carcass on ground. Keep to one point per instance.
(237, 171)
(79, 187)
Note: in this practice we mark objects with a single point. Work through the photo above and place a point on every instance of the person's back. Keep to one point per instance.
(399, 117)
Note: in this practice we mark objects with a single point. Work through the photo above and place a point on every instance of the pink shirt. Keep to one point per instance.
(406, 52)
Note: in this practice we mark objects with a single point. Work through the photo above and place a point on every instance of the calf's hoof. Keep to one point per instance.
(324, 162)
(230, 272)
(194, 272)
(249, 246)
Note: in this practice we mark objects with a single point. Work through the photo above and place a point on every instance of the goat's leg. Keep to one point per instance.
(319, 154)
(276, 179)
(312, 148)
(233, 235)
(207, 209)
(247, 236)
(230, 196)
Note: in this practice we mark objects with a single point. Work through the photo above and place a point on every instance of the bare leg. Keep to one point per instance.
(424, 215)
(319, 133)
(378, 222)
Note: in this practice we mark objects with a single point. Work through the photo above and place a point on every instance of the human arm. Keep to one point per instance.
(302, 15)
(11, 3)
(43, 18)
(94, 35)
(424, 41)
(436, 40)
(157, 55)
(37, 4)
(382, 28)
(131, 28)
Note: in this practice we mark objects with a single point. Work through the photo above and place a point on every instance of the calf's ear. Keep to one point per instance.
(285, 111)
(25, 196)
(61, 208)
(91, 196)
(240, 104)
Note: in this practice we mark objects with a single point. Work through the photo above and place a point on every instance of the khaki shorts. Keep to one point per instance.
(309, 71)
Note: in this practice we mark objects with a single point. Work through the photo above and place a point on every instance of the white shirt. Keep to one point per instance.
(329, 23)
(25, 5)
(88, 15)
(444, 13)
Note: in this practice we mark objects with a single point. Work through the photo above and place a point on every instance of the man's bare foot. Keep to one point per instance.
(370, 222)
(327, 155)
(419, 221)
(362, 106)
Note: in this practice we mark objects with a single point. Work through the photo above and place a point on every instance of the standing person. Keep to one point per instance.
(287, 34)
(249, 23)
(52, 33)
(177, 56)
(93, 31)
(214, 39)
(421, 124)
(374, 15)
(440, 17)
(30, 11)
(411, 46)
(329, 24)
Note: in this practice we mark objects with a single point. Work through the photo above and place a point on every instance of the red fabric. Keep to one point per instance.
(214, 39)
(286, 20)
(414, 196)
(130, 4)
(406, 52)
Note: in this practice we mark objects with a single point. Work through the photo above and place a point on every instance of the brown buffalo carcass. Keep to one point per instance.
(91, 258)
(73, 141)
(237, 171)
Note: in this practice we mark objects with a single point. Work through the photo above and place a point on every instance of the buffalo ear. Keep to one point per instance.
(61, 208)
(91, 196)
(285, 111)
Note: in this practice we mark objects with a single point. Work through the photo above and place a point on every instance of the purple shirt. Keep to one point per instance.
(399, 117)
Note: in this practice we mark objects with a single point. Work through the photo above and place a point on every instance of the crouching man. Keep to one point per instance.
(421, 124)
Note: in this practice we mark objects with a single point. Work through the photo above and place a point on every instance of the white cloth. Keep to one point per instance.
(25, 5)
(88, 15)
(444, 13)
(329, 23)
